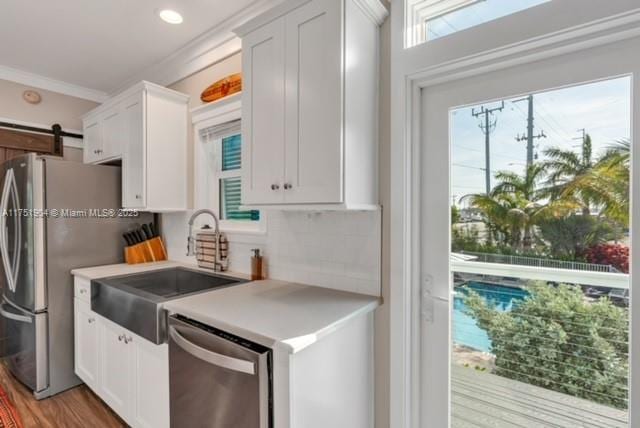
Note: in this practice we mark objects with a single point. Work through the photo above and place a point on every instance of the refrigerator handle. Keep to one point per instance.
(12, 316)
(10, 267)
(3, 228)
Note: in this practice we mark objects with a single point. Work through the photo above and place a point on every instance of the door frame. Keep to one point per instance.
(417, 68)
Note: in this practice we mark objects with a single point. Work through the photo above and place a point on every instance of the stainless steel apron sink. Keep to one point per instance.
(135, 301)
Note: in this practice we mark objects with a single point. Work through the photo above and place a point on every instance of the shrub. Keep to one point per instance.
(557, 340)
(615, 255)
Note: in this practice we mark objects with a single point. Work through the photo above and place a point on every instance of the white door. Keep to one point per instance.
(313, 169)
(113, 133)
(151, 383)
(86, 344)
(133, 162)
(92, 140)
(263, 114)
(486, 357)
(115, 368)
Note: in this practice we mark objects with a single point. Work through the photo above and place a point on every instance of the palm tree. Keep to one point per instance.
(608, 182)
(567, 167)
(514, 205)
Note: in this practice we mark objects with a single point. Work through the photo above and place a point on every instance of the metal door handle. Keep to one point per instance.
(288, 186)
(275, 187)
(12, 316)
(211, 357)
(11, 268)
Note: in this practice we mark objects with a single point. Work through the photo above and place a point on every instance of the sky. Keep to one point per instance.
(477, 13)
(602, 108)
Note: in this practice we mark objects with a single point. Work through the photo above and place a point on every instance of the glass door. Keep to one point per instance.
(526, 229)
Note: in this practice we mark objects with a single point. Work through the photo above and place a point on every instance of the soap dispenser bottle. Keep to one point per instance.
(256, 265)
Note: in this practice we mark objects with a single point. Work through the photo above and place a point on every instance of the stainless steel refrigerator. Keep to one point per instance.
(54, 217)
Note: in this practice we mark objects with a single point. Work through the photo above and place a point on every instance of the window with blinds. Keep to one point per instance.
(230, 181)
(224, 166)
(432, 19)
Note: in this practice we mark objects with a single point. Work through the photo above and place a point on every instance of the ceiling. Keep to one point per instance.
(100, 44)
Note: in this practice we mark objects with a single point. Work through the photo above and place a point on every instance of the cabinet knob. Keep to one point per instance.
(275, 187)
(91, 320)
(287, 186)
(121, 338)
(83, 291)
(138, 197)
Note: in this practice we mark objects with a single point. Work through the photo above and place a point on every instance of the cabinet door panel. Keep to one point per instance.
(151, 384)
(86, 344)
(115, 368)
(263, 114)
(314, 107)
(92, 140)
(112, 133)
(133, 162)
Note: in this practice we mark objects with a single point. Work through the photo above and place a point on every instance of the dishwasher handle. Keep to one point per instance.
(211, 357)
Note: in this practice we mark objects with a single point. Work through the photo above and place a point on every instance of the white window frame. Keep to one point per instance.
(551, 29)
(206, 177)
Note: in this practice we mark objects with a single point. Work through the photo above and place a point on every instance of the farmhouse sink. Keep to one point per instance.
(135, 301)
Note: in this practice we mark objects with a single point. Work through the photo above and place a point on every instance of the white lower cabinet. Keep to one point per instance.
(151, 385)
(127, 372)
(115, 368)
(86, 344)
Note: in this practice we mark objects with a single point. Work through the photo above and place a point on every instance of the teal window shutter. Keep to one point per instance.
(231, 187)
(231, 153)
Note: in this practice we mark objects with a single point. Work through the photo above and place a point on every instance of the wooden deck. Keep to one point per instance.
(484, 400)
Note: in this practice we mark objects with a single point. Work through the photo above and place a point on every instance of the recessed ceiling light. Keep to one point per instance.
(170, 16)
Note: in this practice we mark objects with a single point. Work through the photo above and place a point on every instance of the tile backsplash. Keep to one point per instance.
(339, 250)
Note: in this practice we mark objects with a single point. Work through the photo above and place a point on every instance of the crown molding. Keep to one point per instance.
(212, 46)
(49, 84)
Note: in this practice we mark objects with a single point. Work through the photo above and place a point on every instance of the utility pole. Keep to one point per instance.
(487, 126)
(584, 135)
(530, 137)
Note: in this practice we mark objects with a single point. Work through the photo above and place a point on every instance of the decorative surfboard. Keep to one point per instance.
(222, 88)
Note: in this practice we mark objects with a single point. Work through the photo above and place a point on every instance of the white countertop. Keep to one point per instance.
(272, 313)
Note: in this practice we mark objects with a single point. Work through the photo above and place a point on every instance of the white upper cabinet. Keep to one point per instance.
(92, 139)
(146, 128)
(310, 70)
(263, 114)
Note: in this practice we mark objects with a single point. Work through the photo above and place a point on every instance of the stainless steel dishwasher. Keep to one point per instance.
(217, 380)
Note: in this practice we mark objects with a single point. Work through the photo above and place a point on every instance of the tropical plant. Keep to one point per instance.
(569, 237)
(615, 255)
(557, 340)
(514, 206)
(566, 167)
(606, 184)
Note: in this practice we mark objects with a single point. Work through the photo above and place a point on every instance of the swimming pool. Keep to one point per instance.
(465, 328)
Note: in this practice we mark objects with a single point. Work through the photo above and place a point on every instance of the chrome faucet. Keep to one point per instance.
(191, 240)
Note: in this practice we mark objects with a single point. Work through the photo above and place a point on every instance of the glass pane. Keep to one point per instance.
(231, 153)
(540, 257)
(230, 197)
(432, 19)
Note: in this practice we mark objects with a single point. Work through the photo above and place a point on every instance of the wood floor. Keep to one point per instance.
(77, 407)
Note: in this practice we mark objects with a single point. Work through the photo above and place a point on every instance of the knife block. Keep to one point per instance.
(152, 250)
